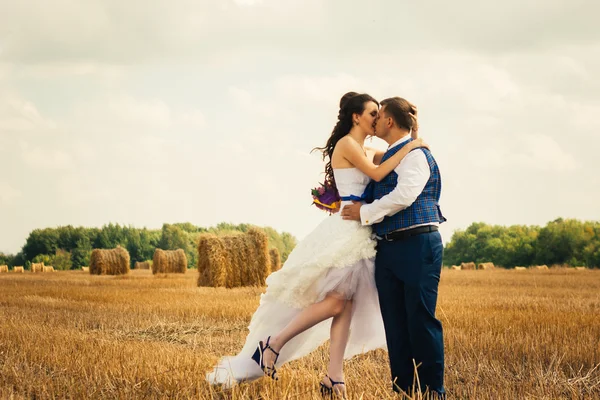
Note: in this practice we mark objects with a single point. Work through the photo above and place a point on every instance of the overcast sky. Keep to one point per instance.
(141, 113)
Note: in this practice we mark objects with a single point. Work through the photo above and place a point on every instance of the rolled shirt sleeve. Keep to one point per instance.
(413, 174)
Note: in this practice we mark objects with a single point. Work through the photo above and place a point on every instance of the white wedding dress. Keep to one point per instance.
(338, 256)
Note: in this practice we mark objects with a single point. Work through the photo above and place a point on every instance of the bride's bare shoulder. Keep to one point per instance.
(346, 144)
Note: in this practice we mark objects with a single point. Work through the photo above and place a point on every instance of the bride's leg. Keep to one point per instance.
(330, 306)
(340, 330)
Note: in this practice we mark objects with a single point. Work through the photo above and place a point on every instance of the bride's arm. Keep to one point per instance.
(352, 152)
(377, 154)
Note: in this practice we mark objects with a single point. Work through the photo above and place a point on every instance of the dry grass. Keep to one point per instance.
(508, 335)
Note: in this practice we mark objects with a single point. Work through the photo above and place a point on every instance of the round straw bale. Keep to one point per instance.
(486, 265)
(85, 269)
(142, 265)
(259, 260)
(109, 262)
(3, 268)
(19, 269)
(211, 261)
(520, 268)
(234, 260)
(467, 265)
(275, 258)
(456, 267)
(37, 267)
(169, 261)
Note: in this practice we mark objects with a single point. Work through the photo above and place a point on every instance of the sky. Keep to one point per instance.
(143, 113)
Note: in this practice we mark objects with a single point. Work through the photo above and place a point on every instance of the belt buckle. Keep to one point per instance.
(390, 236)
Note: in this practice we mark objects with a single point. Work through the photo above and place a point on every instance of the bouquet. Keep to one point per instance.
(326, 197)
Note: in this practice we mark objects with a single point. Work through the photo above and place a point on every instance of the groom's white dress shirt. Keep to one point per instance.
(413, 174)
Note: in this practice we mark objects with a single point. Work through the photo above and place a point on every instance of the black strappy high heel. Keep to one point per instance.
(258, 358)
(327, 391)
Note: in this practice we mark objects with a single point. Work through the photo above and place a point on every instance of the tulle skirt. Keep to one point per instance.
(335, 258)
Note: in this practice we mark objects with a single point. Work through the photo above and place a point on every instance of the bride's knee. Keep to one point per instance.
(337, 305)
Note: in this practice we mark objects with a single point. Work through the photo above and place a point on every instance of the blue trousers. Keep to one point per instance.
(407, 274)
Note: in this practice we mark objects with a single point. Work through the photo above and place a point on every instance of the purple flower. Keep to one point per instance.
(329, 197)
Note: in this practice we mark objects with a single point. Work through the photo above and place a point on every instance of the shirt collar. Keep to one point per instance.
(400, 141)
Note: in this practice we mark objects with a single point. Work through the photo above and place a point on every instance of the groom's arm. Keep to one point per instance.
(413, 174)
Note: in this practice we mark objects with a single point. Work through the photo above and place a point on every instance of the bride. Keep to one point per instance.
(326, 288)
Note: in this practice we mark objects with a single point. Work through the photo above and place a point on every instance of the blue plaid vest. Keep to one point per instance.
(425, 209)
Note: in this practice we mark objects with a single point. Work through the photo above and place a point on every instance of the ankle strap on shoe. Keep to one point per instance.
(333, 383)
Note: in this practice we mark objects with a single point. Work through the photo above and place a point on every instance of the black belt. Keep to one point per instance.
(400, 235)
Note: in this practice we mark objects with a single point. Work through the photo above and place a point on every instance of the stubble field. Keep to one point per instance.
(508, 335)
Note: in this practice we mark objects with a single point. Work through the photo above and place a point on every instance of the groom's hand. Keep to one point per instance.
(352, 212)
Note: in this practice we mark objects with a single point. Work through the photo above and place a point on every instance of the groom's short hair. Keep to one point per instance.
(400, 110)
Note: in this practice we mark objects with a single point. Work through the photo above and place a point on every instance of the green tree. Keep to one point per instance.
(62, 260)
(40, 241)
(80, 255)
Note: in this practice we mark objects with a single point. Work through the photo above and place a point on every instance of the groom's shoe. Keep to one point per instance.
(427, 395)
(436, 395)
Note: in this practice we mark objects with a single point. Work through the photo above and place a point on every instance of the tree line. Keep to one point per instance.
(562, 241)
(69, 247)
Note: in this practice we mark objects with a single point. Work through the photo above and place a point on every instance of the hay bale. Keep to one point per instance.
(234, 277)
(486, 265)
(211, 261)
(580, 268)
(456, 267)
(85, 269)
(169, 261)
(3, 268)
(257, 258)
(541, 267)
(275, 258)
(19, 269)
(37, 267)
(48, 268)
(142, 265)
(468, 265)
(520, 268)
(109, 261)
(234, 260)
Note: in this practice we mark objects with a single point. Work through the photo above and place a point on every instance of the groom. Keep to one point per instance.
(405, 215)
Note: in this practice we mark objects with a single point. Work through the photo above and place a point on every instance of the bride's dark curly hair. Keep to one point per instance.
(350, 103)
